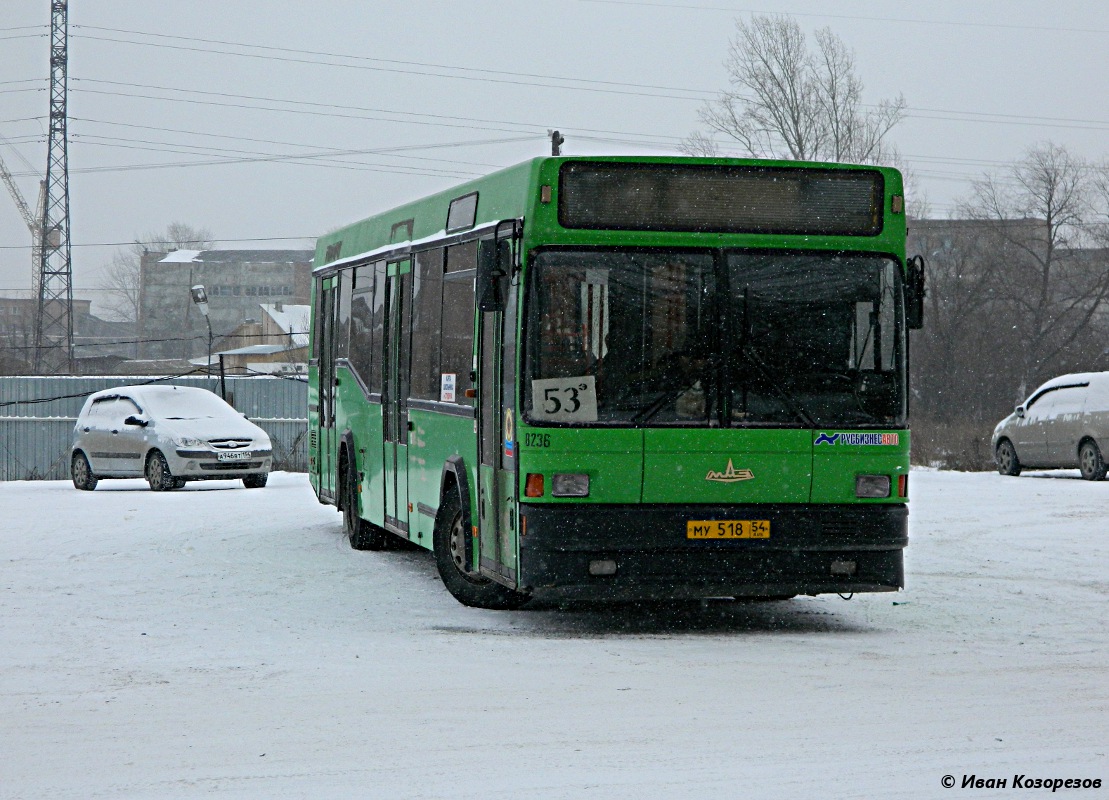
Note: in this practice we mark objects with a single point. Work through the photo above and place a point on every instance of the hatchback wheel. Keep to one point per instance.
(1006, 458)
(1090, 461)
(83, 477)
(158, 474)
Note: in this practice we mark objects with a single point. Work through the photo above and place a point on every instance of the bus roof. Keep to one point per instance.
(505, 194)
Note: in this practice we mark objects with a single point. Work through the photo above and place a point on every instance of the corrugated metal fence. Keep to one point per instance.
(37, 415)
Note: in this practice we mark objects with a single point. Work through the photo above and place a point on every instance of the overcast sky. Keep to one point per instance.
(222, 114)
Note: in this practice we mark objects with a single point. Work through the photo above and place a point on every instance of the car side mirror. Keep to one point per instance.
(1020, 411)
(133, 420)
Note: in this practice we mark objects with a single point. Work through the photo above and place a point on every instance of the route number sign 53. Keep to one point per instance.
(564, 399)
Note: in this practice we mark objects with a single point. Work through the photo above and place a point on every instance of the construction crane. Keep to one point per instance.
(33, 220)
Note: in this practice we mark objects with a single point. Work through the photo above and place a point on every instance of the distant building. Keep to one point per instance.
(276, 344)
(934, 238)
(95, 340)
(237, 282)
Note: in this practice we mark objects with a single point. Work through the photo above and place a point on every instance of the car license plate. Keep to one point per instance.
(238, 455)
(727, 529)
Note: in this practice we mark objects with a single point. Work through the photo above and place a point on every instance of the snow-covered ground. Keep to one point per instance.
(225, 642)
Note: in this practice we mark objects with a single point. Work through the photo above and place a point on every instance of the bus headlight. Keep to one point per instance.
(872, 486)
(570, 486)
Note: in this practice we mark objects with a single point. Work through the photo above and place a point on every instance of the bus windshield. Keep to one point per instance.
(714, 339)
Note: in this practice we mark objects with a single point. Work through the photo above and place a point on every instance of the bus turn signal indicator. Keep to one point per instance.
(533, 486)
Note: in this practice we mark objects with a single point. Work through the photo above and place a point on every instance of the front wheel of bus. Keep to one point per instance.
(468, 587)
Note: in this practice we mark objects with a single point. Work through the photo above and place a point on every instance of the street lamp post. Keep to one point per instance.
(200, 297)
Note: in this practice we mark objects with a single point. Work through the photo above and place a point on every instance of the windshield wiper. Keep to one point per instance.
(751, 353)
(667, 397)
(754, 358)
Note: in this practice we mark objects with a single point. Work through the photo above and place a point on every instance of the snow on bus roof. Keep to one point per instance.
(407, 243)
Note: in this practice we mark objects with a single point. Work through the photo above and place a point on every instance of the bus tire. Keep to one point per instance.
(467, 587)
(362, 535)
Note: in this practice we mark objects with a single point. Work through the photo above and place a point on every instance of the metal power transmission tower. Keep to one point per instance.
(54, 314)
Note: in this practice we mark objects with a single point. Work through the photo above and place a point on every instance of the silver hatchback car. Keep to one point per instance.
(169, 435)
(1063, 424)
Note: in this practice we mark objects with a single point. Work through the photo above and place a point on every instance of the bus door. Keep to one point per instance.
(326, 384)
(394, 396)
(497, 443)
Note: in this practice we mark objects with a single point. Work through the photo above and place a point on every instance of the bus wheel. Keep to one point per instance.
(363, 535)
(467, 587)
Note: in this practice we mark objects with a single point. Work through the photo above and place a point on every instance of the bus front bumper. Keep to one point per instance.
(643, 551)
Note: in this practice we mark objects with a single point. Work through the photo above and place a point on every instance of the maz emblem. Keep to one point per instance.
(730, 475)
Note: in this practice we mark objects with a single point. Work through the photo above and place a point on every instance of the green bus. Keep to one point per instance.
(624, 378)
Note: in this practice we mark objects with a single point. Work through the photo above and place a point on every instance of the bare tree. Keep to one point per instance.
(17, 339)
(700, 144)
(1052, 284)
(954, 353)
(1099, 229)
(120, 279)
(787, 101)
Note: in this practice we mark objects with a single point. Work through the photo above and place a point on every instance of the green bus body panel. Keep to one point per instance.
(767, 466)
(836, 465)
(434, 438)
(314, 461)
(363, 419)
(612, 458)
(692, 466)
(401, 485)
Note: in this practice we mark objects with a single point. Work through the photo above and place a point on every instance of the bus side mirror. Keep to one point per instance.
(494, 260)
(914, 293)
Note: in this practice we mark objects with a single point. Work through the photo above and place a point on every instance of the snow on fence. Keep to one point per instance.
(37, 415)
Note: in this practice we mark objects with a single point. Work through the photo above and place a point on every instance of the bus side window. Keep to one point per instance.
(373, 380)
(361, 323)
(317, 319)
(427, 323)
(458, 317)
(342, 322)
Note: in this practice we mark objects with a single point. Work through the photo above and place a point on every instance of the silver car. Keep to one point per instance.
(1063, 424)
(169, 435)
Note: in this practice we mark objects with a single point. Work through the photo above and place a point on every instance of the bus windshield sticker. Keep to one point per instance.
(564, 399)
(869, 439)
(446, 387)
